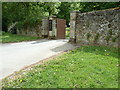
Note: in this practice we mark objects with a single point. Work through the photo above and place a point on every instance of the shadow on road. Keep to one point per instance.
(64, 47)
(40, 41)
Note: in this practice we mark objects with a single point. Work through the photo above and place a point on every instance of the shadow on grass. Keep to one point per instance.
(100, 50)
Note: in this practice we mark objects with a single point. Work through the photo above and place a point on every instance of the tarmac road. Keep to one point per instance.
(15, 56)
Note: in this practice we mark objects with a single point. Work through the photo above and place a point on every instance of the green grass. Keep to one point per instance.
(8, 38)
(67, 32)
(85, 67)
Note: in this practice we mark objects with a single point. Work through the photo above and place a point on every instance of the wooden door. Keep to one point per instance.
(61, 23)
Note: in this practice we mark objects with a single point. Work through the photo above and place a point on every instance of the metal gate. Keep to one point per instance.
(61, 23)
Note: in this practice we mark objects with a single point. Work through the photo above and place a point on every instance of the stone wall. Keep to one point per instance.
(41, 29)
(45, 26)
(31, 31)
(97, 27)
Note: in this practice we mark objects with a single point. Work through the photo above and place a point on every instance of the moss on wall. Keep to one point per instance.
(99, 27)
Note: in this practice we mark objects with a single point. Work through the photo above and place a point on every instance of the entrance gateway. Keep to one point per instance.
(53, 27)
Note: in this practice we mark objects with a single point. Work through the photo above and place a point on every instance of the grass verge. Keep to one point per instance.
(9, 38)
(85, 67)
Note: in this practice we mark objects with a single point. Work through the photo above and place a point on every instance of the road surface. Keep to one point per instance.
(15, 56)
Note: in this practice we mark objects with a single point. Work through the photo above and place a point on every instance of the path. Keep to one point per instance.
(15, 56)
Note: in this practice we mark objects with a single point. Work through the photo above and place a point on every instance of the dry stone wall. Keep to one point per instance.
(31, 31)
(98, 27)
(41, 29)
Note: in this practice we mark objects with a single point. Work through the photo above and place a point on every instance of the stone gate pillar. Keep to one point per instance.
(45, 26)
(53, 32)
(73, 26)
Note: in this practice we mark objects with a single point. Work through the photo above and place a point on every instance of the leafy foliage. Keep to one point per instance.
(29, 13)
(67, 7)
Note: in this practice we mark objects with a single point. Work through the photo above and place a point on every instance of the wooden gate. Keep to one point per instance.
(61, 28)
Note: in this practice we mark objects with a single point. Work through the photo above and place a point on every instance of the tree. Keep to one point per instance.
(92, 6)
(66, 8)
(27, 12)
